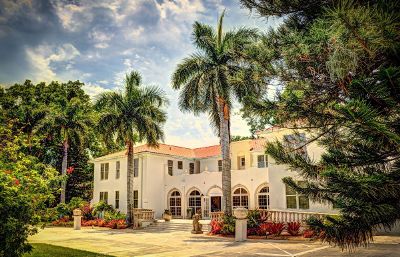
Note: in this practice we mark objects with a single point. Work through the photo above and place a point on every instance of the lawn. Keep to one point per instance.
(46, 250)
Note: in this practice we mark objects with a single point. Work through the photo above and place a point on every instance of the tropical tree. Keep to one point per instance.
(132, 116)
(69, 120)
(338, 64)
(212, 78)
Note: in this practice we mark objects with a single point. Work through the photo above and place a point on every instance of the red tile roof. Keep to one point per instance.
(257, 144)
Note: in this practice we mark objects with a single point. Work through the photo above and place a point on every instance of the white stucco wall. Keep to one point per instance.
(154, 183)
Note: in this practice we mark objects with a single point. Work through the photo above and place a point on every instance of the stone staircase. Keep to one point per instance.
(174, 226)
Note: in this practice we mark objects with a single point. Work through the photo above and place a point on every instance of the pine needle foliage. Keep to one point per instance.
(338, 64)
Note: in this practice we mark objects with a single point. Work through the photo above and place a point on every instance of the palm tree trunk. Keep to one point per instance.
(64, 170)
(129, 213)
(224, 135)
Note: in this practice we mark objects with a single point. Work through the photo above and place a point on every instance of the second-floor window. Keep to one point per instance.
(136, 167)
(180, 165)
(117, 169)
(191, 168)
(242, 162)
(262, 161)
(295, 200)
(296, 143)
(135, 199)
(219, 165)
(170, 167)
(116, 199)
(104, 167)
(104, 197)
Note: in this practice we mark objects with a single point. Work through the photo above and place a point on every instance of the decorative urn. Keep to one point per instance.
(240, 213)
(77, 212)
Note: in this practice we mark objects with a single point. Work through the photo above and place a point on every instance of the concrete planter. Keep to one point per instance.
(240, 213)
(77, 212)
(167, 217)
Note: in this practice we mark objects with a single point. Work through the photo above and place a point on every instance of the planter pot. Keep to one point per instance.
(240, 213)
(167, 217)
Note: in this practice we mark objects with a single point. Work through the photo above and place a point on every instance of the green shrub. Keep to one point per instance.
(102, 207)
(114, 215)
(63, 210)
(76, 203)
(228, 227)
(26, 187)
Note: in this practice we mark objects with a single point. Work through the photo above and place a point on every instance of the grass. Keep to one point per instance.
(46, 250)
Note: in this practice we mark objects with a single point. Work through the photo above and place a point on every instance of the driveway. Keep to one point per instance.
(183, 243)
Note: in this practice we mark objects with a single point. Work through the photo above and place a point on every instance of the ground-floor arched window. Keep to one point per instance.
(240, 198)
(175, 203)
(195, 201)
(263, 198)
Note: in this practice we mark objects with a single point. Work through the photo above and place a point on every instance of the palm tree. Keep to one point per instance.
(130, 117)
(69, 121)
(212, 78)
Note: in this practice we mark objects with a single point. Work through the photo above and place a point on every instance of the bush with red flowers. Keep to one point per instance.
(293, 228)
(308, 233)
(216, 226)
(275, 228)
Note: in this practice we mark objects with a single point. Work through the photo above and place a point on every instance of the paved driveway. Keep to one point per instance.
(183, 243)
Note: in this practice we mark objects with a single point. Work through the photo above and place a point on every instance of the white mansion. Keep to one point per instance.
(179, 178)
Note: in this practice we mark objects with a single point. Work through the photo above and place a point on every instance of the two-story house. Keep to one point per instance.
(178, 178)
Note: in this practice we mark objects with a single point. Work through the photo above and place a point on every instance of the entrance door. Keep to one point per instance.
(206, 207)
(215, 203)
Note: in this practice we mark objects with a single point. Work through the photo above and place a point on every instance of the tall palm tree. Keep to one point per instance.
(212, 78)
(69, 121)
(132, 116)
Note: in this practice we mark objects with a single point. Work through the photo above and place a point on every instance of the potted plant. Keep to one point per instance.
(167, 216)
(189, 213)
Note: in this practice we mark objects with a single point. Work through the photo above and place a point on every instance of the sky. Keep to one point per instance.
(98, 42)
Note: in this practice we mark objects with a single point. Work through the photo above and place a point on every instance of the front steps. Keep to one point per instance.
(174, 225)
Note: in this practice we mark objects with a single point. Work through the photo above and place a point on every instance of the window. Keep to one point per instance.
(219, 165)
(180, 165)
(191, 168)
(263, 198)
(240, 198)
(296, 143)
(135, 199)
(104, 197)
(262, 161)
(170, 167)
(242, 162)
(295, 200)
(195, 201)
(117, 170)
(116, 199)
(136, 167)
(175, 204)
(104, 167)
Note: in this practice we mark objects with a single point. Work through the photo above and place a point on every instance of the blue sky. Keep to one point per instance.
(98, 42)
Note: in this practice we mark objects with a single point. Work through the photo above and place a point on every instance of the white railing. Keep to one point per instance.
(279, 215)
(142, 215)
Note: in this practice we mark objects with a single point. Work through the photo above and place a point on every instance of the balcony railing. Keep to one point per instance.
(142, 215)
(279, 215)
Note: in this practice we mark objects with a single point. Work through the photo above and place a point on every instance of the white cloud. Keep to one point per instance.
(42, 57)
(94, 90)
(101, 45)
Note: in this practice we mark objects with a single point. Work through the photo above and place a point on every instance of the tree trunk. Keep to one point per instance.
(224, 135)
(129, 189)
(64, 170)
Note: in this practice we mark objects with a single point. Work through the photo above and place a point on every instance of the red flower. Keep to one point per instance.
(16, 182)
(70, 170)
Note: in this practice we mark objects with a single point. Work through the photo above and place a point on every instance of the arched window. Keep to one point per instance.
(263, 198)
(175, 203)
(240, 198)
(195, 201)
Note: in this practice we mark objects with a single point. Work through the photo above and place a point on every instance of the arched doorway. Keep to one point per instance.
(194, 201)
(175, 203)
